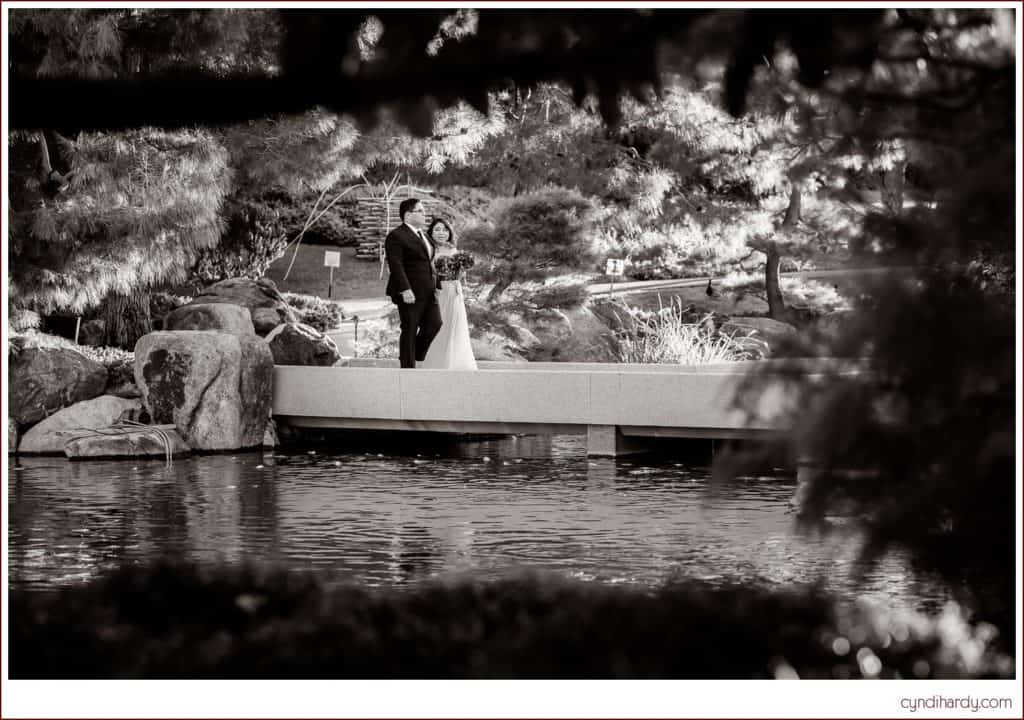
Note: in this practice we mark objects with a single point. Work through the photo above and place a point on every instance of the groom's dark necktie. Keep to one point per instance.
(430, 249)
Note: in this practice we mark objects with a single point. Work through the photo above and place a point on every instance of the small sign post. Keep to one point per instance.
(332, 259)
(613, 268)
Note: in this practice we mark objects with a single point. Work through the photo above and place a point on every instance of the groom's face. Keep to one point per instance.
(415, 216)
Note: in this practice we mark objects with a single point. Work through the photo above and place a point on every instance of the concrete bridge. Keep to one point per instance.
(615, 405)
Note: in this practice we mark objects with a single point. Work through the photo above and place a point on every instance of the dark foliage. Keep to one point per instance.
(819, 40)
(179, 622)
(161, 303)
(524, 48)
(254, 238)
(919, 442)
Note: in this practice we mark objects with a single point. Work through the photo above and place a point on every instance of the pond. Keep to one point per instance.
(437, 507)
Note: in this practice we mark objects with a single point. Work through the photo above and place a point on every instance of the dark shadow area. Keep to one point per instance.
(401, 443)
(178, 622)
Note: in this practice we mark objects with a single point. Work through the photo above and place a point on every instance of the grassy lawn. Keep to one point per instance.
(353, 279)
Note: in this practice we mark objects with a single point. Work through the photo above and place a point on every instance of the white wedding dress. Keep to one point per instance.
(451, 349)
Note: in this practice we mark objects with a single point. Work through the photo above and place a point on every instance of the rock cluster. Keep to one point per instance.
(267, 307)
(205, 381)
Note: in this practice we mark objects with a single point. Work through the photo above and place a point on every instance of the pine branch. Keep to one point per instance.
(469, 71)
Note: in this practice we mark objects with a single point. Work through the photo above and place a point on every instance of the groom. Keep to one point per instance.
(411, 283)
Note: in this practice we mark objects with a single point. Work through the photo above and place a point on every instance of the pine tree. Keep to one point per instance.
(927, 427)
(101, 218)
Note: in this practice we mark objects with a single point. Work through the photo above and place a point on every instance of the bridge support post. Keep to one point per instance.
(807, 471)
(608, 441)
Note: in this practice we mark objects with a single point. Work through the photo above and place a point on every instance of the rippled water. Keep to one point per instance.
(435, 508)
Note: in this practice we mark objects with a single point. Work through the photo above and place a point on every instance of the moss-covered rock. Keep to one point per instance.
(214, 387)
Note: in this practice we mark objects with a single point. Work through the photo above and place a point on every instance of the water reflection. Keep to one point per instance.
(434, 507)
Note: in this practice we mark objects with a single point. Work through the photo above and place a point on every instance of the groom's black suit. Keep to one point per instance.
(411, 268)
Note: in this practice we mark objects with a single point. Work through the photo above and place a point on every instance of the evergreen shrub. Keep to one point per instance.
(332, 228)
(253, 239)
(314, 311)
(533, 237)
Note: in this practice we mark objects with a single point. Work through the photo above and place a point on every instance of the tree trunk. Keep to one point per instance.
(127, 319)
(53, 162)
(777, 309)
(793, 209)
(498, 289)
(892, 188)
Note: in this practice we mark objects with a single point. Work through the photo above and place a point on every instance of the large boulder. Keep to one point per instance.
(210, 316)
(214, 387)
(615, 315)
(49, 435)
(266, 305)
(44, 380)
(549, 324)
(574, 335)
(298, 344)
(144, 442)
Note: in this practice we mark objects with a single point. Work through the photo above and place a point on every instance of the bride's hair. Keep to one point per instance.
(451, 233)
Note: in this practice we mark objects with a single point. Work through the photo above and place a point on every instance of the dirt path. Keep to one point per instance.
(643, 286)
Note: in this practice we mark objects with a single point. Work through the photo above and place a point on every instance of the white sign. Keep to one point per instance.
(615, 267)
(332, 259)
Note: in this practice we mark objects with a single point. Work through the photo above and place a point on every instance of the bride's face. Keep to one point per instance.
(440, 233)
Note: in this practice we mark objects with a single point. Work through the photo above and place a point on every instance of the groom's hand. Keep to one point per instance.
(409, 297)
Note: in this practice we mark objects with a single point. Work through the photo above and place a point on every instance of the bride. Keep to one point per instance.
(450, 349)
